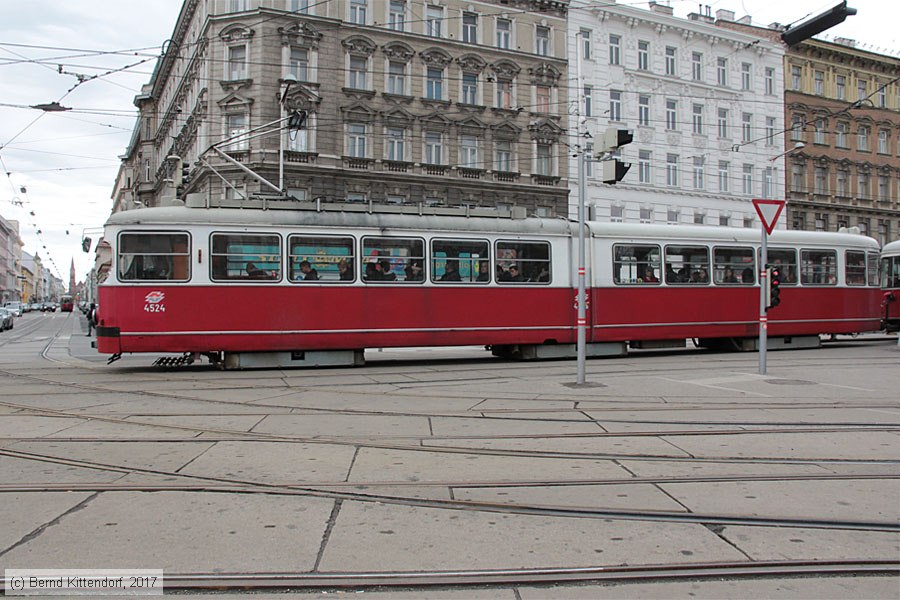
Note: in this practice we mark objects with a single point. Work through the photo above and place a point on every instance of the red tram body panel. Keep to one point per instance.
(200, 280)
(890, 285)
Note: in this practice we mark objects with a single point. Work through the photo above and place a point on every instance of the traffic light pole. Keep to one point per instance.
(763, 286)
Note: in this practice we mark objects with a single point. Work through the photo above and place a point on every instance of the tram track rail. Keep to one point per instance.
(245, 486)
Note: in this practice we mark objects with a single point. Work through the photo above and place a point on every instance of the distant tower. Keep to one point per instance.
(72, 278)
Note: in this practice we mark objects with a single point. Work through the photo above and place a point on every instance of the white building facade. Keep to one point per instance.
(706, 107)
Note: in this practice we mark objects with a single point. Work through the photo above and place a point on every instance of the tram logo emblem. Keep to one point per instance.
(154, 297)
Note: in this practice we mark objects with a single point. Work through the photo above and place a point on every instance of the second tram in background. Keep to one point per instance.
(318, 284)
(890, 284)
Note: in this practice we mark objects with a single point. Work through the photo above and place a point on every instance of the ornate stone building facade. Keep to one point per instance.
(441, 102)
(844, 105)
(703, 102)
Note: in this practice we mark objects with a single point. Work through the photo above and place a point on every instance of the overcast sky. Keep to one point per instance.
(67, 162)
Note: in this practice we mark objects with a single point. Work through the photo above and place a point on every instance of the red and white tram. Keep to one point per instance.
(890, 284)
(280, 287)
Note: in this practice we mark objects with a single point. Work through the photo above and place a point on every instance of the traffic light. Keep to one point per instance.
(773, 275)
(86, 244)
(614, 169)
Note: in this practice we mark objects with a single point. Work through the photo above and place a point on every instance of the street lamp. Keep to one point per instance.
(797, 146)
(289, 80)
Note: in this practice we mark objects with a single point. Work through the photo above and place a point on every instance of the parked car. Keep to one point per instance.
(14, 307)
(6, 319)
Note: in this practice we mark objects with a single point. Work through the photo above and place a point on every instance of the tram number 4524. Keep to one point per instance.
(154, 302)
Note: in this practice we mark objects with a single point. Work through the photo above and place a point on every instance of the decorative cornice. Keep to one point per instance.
(236, 33)
(300, 34)
(359, 45)
(471, 63)
(436, 57)
(398, 51)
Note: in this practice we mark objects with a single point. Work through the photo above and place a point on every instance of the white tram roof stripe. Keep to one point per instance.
(185, 218)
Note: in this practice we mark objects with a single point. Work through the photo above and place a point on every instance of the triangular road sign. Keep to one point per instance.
(768, 211)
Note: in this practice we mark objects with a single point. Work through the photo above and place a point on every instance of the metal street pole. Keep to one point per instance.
(581, 299)
(763, 283)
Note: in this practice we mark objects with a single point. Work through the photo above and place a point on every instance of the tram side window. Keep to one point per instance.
(389, 259)
(324, 259)
(636, 264)
(522, 262)
(786, 260)
(855, 268)
(734, 266)
(818, 267)
(460, 261)
(872, 268)
(245, 256)
(154, 257)
(687, 265)
(890, 272)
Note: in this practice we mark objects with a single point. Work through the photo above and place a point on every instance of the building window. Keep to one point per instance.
(434, 20)
(434, 148)
(504, 93)
(841, 87)
(697, 66)
(237, 62)
(819, 83)
(237, 6)
(797, 127)
(746, 127)
(616, 213)
(586, 44)
(646, 215)
(470, 28)
(644, 56)
(544, 164)
(396, 78)
(840, 134)
(820, 181)
(747, 179)
(357, 73)
(841, 178)
(397, 15)
(615, 48)
(672, 170)
(672, 216)
(468, 151)
(798, 179)
(884, 187)
(298, 140)
(615, 105)
(504, 33)
(588, 101)
(861, 86)
(819, 132)
(746, 82)
(396, 143)
(542, 98)
(503, 155)
(883, 135)
(469, 88)
(699, 184)
(434, 85)
(724, 175)
(298, 64)
(699, 217)
(671, 114)
(795, 78)
(723, 123)
(356, 140)
(770, 81)
(697, 118)
(542, 41)
(358, 11)
(768, 182)
(671, 68)
(236, 131)
(882, 96)
(724, 220)
(644, 158)
(770, 131)
(722, 71)
(862, 181)
(862, 142)
(644, 110)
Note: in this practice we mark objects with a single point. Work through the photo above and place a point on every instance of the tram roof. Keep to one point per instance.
(501, 223)
(891, 248)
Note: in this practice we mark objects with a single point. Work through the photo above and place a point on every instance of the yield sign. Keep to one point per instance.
(768, 211)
